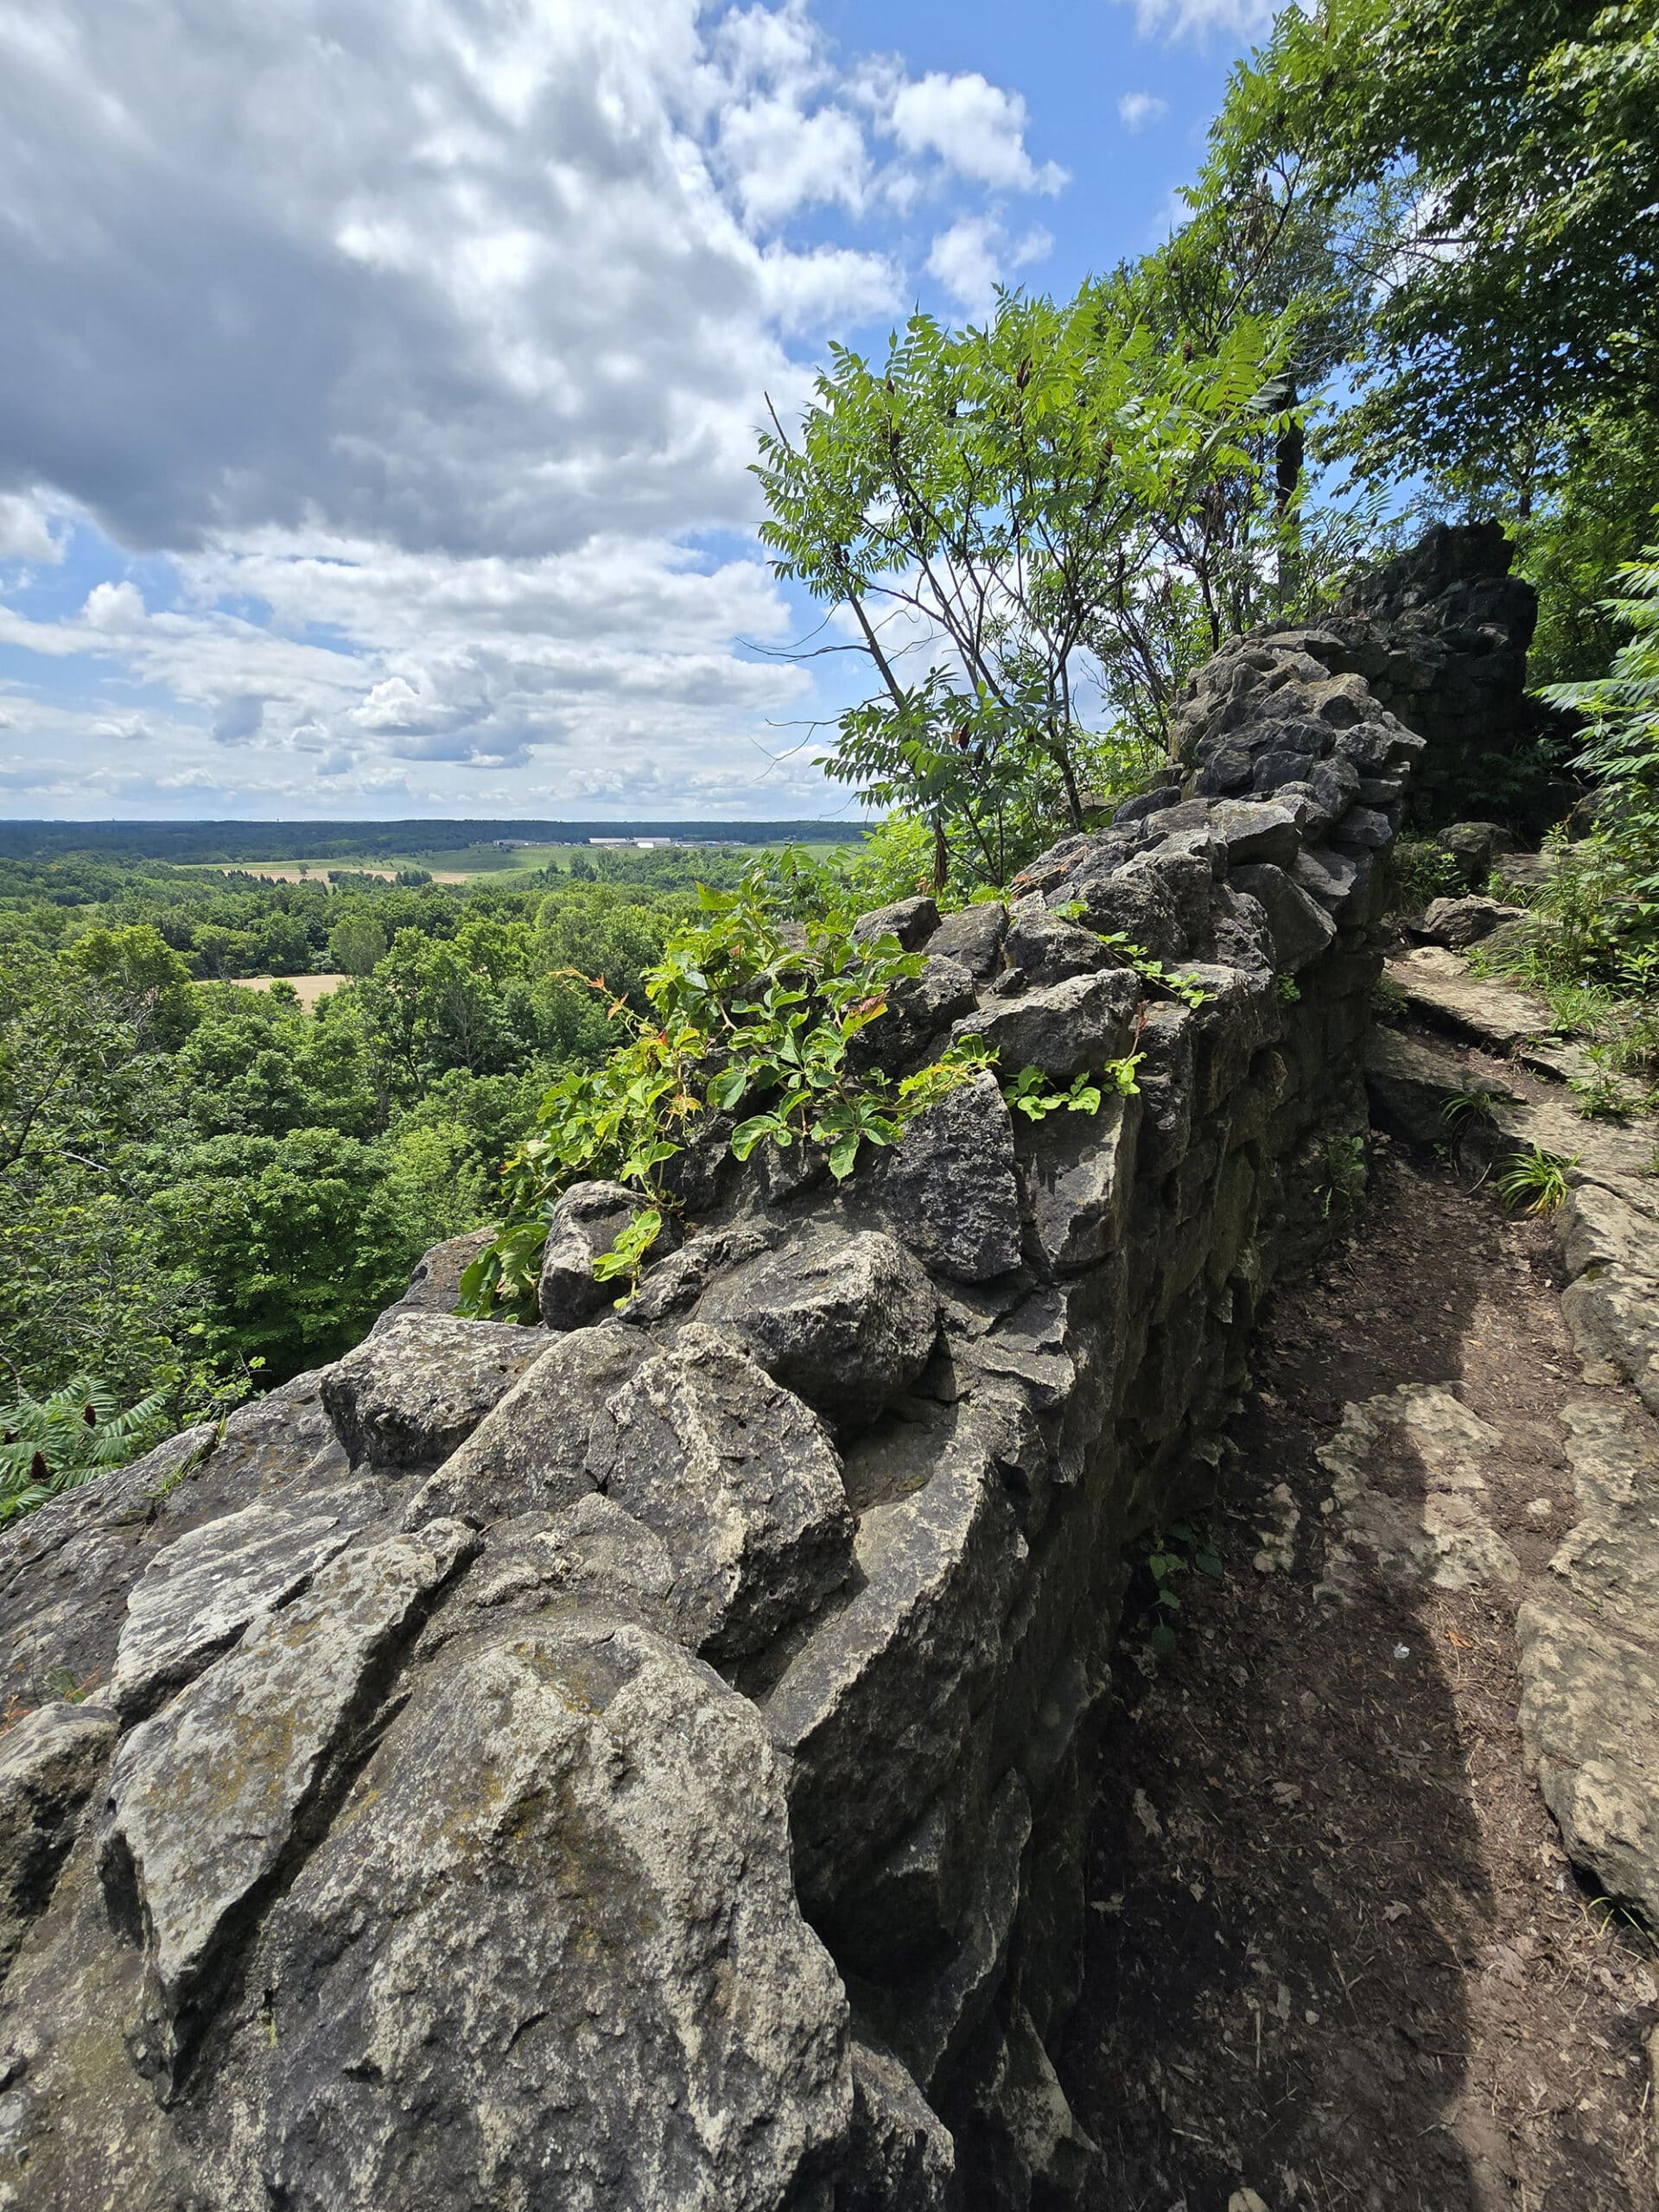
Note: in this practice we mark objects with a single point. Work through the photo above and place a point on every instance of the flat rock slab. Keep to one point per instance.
(738, 1480)
(873, 1713)
(1590, 1723)
(196, 1597)
(206, 1799)
(1407, 1472)
(549, 1952)
(1441, 991)
(408, 1397)
(1610, 1559)
(949, 1184)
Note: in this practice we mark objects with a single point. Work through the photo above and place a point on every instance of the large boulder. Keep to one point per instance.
(530, 1451)
(740, 1482)
(549, 1953)
(408, 1397)
(50, 1764)
(846, 1322)
(206, 1799)
(1063, 1028)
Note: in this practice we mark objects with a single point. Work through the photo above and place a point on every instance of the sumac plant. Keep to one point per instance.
(752, 1016)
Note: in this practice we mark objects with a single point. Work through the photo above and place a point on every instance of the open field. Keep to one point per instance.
(467, 865)
(307, 988)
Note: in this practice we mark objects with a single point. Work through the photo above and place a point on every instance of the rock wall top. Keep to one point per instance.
(1438, 635)
(638, 1764)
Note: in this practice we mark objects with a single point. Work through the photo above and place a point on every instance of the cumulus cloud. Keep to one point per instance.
(974, 127)
(239, 719)
(976, 255)
(25, 533)
(422, 350)
(1136, 110)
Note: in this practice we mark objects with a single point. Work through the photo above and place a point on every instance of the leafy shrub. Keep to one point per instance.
(56, 1443)
(746, 1011)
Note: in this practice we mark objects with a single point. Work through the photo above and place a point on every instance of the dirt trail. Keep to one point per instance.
(1337, 1955)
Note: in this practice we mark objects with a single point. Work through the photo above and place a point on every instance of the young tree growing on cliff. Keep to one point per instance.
(1029, 530)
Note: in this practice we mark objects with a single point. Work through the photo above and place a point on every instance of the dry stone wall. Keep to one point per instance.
(640, 1762)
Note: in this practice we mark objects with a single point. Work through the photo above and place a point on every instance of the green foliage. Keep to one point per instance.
(56, 1443)
(1502, 246)
(296, 1238)
(1622, 752)
(1536, 1180)
(746, 1011)
(1005, 496)
(1341, 1175)
(1035, 1094)
(1423, 872)
(1177, 984)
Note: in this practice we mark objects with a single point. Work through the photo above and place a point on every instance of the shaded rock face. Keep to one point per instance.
(635, 1763)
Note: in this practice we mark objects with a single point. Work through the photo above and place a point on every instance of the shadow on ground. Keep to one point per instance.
(1336, 1956)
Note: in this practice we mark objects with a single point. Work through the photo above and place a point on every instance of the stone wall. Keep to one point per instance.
(1440, 636)
(640, 1763)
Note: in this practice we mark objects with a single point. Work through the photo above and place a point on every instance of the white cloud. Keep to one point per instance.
(1136, 110)
(114, 607)
(418, 348)
(1177, 19)
(976, 255)
(25, 531)
(973, 128)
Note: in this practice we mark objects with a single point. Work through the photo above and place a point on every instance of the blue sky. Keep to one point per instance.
(380, 382)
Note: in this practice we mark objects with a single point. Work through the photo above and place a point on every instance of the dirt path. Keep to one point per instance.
(1337, 1955)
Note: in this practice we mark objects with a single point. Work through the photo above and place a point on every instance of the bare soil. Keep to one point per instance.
(1336, 1956)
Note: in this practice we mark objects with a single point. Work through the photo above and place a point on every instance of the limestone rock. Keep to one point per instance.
(929, 2021)
(1063, 1028)
(1475, 846)
(530, 1449)
(845, 1322)
(1440, 990)
(973, 938)
(1301, 929)
(1587, 1705)
(1047, 948)
(1408, 1081)
(1610, 1560)
(435, 1287)
(195, 1597)
(920, 1010)
(405, 1399)
(1076, 1174)
(949, 1184)
(740, 1482)
(673, 1286)
(1458, 923)
(586, 1224)
(206, 1799)
(1610, 1243)
(912, 921)
(899, 2154)
(1257, 830)
(874, 1711)
(549, 1953)
(50, 1762)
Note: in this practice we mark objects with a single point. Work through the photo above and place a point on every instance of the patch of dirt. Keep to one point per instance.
(1336, 1956)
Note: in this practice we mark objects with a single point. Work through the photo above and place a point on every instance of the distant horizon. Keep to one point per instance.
(228, 840)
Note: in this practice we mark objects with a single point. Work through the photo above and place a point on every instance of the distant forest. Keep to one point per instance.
(183, 843)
